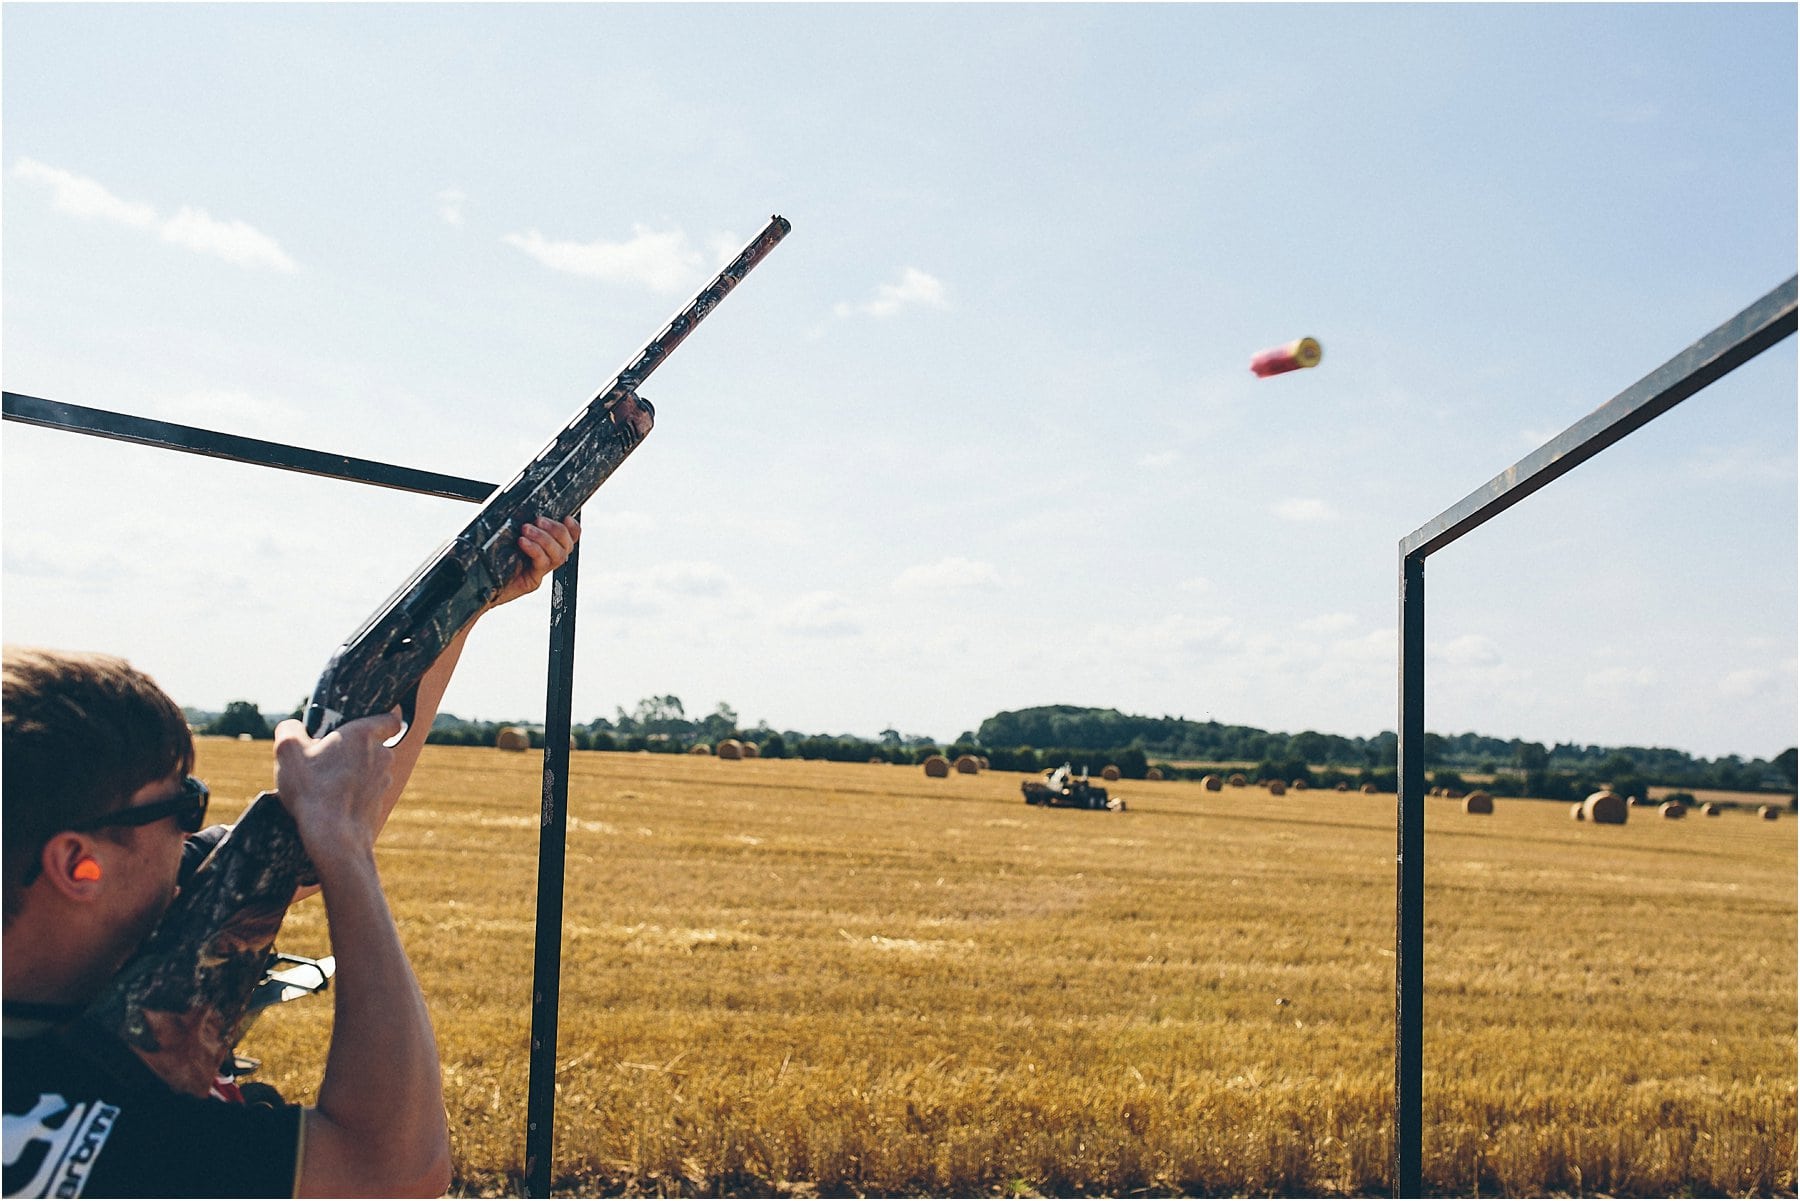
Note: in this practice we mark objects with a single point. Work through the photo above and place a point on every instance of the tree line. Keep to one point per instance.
(1046, 736)
(1517, 767)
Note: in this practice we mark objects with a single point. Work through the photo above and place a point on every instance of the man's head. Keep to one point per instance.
(85, 735)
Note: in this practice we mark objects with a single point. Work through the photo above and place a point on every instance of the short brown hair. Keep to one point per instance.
(82, 733)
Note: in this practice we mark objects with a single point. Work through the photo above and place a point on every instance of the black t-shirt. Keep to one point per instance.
(86, 1118)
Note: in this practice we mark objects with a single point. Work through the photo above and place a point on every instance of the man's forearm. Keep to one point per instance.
(432, 686)
(380, 1113)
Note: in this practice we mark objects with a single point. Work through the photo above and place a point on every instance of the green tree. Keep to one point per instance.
(721, 724)
(656, 715)
(1308, 746)
(240, 717)
(1434, 748)
(1531, 756)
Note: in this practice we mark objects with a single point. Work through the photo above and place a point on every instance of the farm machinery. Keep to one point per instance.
(1063, 789)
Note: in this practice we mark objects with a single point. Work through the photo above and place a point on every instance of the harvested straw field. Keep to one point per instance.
(813, 979)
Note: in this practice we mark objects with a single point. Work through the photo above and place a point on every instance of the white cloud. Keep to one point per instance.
(1197, 583)
(1746, 683)
(192, 229)
(818, 613)
(450, 206)
(663, 262)
(1470, 650)
(245, 413)
(1609, 680)
(1155, 639)
(1377, 646)
(619, 522)
(915, 288)
(83, 197)
(948, 575)
(233, 241)
(1351, 662)
(664, 586)
(1328, 623)
(1301, 508)
(1157, 460)
(725, 247)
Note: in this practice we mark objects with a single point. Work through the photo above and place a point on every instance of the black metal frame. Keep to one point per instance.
(1762, 325)
(540, 1112)
(1736, 342)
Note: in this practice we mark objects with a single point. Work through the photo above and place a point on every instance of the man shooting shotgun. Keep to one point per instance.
(98, 795)
(125, 984)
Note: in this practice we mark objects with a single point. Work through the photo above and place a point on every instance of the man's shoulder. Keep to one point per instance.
(82, 1124)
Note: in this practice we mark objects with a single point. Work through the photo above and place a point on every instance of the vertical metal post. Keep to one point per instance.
(546, 984)
(1409, 925)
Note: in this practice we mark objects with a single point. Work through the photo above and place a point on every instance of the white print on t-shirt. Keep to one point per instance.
(51, 1148)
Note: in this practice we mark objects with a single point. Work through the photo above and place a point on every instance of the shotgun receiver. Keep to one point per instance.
(181, 1003)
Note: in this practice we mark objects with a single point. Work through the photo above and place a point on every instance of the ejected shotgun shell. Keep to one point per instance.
(1302, 352)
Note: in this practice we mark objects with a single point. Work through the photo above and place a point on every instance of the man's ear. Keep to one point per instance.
(74, 866)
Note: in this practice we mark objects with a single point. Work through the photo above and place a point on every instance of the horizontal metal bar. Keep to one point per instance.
(1723, 350)
(123, 427)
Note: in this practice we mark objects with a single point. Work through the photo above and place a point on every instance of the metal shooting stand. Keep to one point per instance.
(1726, 348)
(1762, 325)
(540, 1106)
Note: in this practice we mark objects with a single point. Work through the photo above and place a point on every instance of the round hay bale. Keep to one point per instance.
(876, 759)
(1236, 779)
(1641, 800)
(966, 765)
(1343, 786)
(1369, 788)
(937, 767)
(1109, 772)
(512, 738)
(1768, 813)
(1605, 808)
(699, 748)
(1154, 773)
(981, 761)
(1211, 783)
(730, 748)
(1478, 802)
(1277, 788)
(245, 738)
(1673, 810)
(751, 750)
(1578, 811)
(1712, 809)
(1300, 785)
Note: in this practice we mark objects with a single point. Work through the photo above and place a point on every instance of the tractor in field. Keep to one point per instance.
(1063, 789)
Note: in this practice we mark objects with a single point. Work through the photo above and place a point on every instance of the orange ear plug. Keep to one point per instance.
(87, 869)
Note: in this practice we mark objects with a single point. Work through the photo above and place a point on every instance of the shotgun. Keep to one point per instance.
(181, 1002)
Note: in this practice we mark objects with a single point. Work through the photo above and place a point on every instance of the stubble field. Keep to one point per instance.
(844, 979)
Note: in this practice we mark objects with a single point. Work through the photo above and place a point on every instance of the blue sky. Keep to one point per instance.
(980, 434)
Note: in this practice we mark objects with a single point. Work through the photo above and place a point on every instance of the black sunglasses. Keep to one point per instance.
(188, 805)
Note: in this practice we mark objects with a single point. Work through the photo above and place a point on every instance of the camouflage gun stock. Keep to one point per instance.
(181, 1003)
